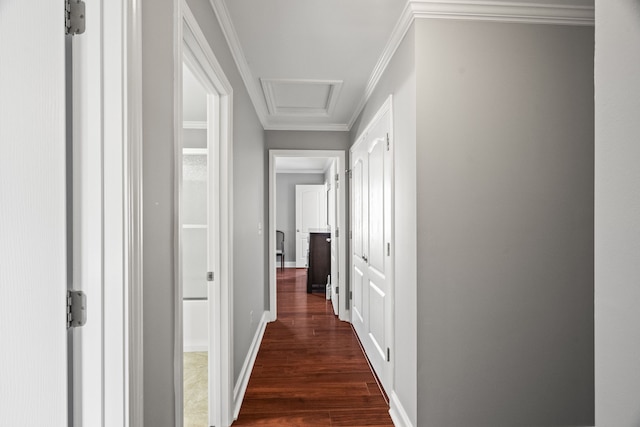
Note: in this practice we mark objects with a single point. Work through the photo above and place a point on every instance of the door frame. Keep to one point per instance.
(192, 47)
(107, 186)
(297, 215)
(341, 166)
(387, 106)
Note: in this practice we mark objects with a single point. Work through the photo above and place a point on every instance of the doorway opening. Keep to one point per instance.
(203, 108)
(324, 170)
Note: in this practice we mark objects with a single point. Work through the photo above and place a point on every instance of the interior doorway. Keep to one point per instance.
(203, 252)
(330, 167)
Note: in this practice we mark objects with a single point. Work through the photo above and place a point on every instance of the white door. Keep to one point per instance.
(311, 213)
(33, 215)
(371, 268)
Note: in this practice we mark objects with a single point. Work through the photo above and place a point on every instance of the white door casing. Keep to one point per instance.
(372, 261)
(341, 218)
(311, 213)
(33, 224)
(192, 47)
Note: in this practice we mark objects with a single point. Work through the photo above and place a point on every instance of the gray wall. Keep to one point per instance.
(158, 212)
(505, 229)
(617, 203)
(399, 80)
(158, 241)
(306, 140)
(286, 206)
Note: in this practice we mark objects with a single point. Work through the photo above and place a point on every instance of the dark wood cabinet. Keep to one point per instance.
(319, 260)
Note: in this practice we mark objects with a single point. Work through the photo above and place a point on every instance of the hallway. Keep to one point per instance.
(310, 370)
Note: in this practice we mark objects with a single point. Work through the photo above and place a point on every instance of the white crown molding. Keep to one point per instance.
(269, 85)
(496, 11)
(329, 127)
(304, 171)
(229, 31)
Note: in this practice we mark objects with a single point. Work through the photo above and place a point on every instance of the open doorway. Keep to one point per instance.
(308, 168)
(203, 349)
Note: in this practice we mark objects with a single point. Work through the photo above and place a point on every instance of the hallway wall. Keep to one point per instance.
(158, 208)
(617, 202)
(286, 206)
(505, 224)
(399, 80)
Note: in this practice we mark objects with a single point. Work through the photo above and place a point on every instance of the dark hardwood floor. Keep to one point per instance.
(310, 370)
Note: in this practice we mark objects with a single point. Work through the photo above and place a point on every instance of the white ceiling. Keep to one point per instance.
(310, 61)
(311, 64)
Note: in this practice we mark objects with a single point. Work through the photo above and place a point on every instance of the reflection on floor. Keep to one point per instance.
(310, 370)
(195, 389)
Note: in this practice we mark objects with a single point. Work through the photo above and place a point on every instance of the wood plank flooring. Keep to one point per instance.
(310, 370)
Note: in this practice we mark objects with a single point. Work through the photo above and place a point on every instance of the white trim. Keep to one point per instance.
(397, 412)
(269, 85)
(134, 353)
(496, 11)
(289, 264)
(195, 151)
(247, 367)
(194, 124)
(329, 127)
(192, 48)
(340, 157)
(309, 171)
(222, 13)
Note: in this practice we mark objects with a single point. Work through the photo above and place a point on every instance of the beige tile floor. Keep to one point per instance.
(195, 389)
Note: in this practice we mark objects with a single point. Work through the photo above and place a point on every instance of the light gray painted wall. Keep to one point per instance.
(505, 229)
(249, 270)
(617, 204)
(286, 206)
(399, 80)
(306, 140)
(158, 240)
(158, 212)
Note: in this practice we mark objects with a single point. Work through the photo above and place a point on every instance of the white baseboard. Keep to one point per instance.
(289, 264)
(192, 348)
(243, 380)
(398, 414)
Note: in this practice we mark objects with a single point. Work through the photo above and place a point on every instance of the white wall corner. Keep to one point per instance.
(397, 412)
(247, 367)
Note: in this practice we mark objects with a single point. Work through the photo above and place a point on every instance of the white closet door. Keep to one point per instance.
(371, 271)
(33, 251)
(311, 213)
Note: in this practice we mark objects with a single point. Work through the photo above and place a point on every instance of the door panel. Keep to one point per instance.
(376, 205)
(33, 223)
(371, 268)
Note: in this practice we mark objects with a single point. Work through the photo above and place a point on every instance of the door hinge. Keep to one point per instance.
(388, 354)
(337, 177)
(337, 232)
(350, 294)
(387, 142)
(388, 249)
(348, 172)
(337, 290)
(350, 234)
(210, 276)
(74, 20)
(76, 309)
